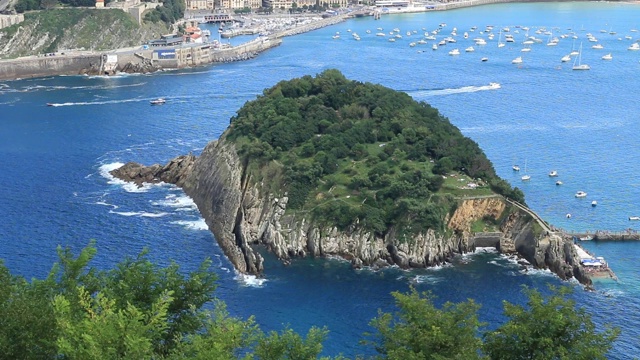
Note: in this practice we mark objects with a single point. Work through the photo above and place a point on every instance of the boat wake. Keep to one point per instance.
(106, 102)
(461, 90)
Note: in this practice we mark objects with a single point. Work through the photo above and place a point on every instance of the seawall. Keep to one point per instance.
(49, 65)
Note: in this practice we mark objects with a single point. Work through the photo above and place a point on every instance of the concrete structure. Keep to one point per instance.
(135, 8)
(49, 65)
(199, 4)
(166, 40)
(8, 20)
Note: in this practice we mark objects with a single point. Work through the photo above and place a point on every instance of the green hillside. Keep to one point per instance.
(63, 29)
(359, 154)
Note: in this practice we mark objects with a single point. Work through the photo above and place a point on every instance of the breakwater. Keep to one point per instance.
(311, 26)
(38, 66)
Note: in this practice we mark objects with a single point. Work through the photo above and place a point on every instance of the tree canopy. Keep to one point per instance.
(358, 153)
(139, 310)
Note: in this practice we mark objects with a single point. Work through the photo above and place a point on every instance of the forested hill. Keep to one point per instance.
(353, 153)
(60, 30)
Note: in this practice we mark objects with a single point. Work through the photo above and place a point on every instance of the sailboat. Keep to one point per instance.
(525, 177)
(579, 65)
(500, 43)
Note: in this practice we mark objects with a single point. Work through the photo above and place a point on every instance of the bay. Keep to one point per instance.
(55, 190)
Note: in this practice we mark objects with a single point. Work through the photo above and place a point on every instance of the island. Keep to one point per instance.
(327, 166)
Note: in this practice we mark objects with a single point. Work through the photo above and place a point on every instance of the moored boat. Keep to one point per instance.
(581, 194)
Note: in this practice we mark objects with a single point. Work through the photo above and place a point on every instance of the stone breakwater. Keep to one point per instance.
(241, 212)
(311, 26)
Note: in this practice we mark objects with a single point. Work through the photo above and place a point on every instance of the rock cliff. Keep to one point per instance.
(241, 213)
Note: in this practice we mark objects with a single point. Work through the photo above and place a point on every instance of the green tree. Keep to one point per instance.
(419, 330)
(289, 345)
(548, 328)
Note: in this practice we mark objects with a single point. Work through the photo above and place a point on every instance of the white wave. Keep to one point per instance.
(181, 203)
(481, 250)
(127, 186)
(107, 102)
(199, 224)
(426, 279)
(250, 280)
(139, 213)
(461, 90)
(537, 272)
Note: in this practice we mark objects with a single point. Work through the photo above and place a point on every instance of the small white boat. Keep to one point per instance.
(335, 37)
(515, 168)
(594, 203)
(553, 173)
(434, 47)
(526, 49)
(634, 47)
(581, 194)
(568, 216)
(454, 52)
(607, 57)
(635, 218)
(494, 85)
(559, 183)
(526, 177)
(470, 49)
(566, 58)
(597, 46)
(517, 60)
(484, 59)
(158, 101)
(392, 39)
(381, 34)
(585, 238)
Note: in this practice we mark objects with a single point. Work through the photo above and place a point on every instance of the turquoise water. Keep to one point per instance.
(583, 124)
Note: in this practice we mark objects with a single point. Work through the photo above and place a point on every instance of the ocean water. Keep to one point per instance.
(55, 160)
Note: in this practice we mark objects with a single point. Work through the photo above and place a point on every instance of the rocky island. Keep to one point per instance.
(326, 166)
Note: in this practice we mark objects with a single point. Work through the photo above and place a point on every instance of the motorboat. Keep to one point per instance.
(158, 101)
(454, 52)
(594, 203)
(558, 183)
(434, 47)
(553, 173)
(470, 49)
(607, 57)
(525, 49)
(392, 39)
(597, 46)
(585, 238)
(634, 46)
(634, 218)
(494, 85)
(517, 60)
(381, 34)
(581, 194)
(484, 59)
(515, 168)
(566, 58)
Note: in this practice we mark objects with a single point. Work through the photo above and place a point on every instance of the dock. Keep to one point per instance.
(596, 267)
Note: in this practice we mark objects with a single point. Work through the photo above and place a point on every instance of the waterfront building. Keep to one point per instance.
(199, 4)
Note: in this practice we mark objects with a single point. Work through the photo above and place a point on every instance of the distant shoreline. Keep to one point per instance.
(89, 62)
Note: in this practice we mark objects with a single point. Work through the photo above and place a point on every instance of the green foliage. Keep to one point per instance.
(141, 311)
(347, 147)
(170, 12)
(548, 328)
(290, 345)
(419, 330)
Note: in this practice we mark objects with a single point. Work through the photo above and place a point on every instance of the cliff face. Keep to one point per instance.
(240, 214)
(59, 30)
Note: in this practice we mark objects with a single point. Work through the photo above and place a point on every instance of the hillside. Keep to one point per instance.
(352, 153)
(75, 29)
(326, 166)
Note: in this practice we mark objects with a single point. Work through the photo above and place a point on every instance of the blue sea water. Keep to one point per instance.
(55, 160)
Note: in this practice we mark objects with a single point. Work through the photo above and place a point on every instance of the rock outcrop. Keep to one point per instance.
(240, 213)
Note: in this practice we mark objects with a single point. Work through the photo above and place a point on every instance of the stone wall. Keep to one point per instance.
(8, 20)
(49, 65)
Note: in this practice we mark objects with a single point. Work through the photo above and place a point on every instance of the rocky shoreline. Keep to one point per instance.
(241, 214)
